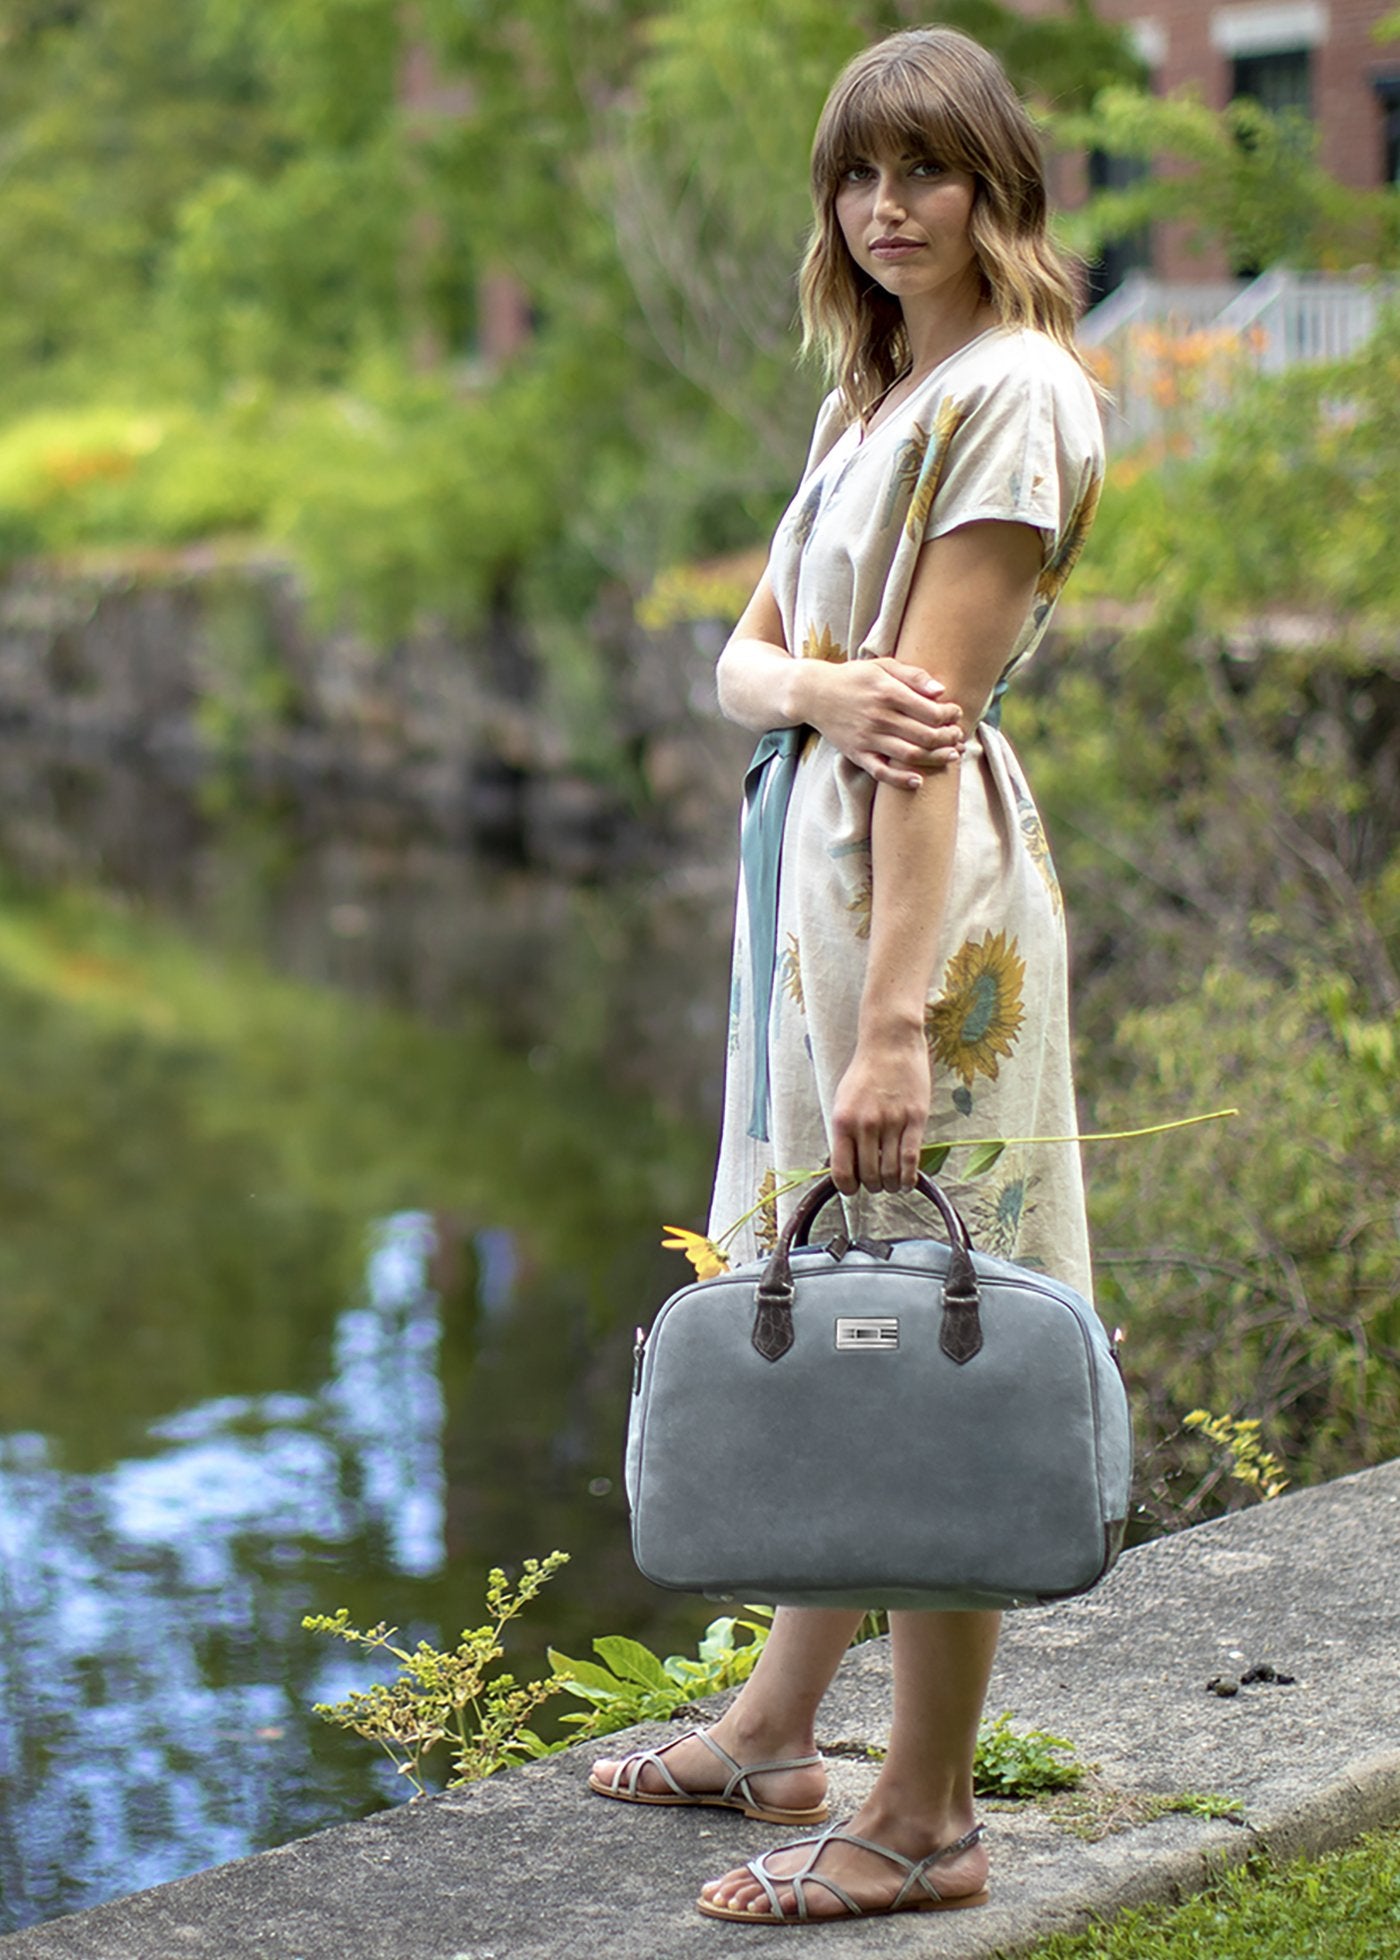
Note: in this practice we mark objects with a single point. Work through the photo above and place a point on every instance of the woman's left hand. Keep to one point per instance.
(881, 1113)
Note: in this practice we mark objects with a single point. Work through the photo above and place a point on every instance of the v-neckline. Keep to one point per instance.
(864, 434)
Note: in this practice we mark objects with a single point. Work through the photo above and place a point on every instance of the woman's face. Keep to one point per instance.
(905, 223)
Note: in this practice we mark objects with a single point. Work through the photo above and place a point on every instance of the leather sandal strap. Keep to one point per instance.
(797, 1882)
(741, 1772)
(918, 1873)
(806, 1874)
(629, 1770)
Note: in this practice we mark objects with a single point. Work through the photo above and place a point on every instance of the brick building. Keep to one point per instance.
(1319, 57)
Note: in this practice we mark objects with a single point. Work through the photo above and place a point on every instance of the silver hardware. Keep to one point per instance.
(867, 1333)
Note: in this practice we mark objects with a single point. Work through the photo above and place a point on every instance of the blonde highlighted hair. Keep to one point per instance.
(929, 92)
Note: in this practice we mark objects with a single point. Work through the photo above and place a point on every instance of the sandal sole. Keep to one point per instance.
(737, 1918)
(761, 1814)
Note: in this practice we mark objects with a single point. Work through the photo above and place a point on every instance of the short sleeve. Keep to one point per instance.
(830, 426)
(1024, 450)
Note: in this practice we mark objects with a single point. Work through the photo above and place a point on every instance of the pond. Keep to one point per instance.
(332, 1167)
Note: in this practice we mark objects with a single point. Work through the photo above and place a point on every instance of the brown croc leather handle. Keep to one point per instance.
(960, 1336)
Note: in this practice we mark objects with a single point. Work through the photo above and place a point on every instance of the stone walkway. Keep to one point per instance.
(529, 1865)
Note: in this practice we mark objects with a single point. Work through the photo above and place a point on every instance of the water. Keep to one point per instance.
(332, 1163)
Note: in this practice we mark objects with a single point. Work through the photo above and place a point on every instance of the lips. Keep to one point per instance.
(895, 247)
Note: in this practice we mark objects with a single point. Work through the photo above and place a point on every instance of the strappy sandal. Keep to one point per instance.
(737, 1794)
(917, 1894)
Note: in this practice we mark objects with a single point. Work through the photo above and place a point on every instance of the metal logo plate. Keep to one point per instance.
(867, 1333)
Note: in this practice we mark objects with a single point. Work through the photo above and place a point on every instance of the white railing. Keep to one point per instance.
(1167, 350)
(1298, 317)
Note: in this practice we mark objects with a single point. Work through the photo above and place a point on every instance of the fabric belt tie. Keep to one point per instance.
(767, 791)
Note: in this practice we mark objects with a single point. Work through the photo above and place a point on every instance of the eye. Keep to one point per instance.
(857, 173)
(927, 167)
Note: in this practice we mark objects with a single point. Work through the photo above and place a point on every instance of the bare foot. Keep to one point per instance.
(701, 1773)
(873, 1882)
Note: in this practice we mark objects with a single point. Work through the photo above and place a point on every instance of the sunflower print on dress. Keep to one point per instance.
(790, 973)
(820, 645)
(765, 1224)
(804, 521)
(975, 1022)
(919, 464)
(1068, 545)
(997, 1216)
(1038, 846)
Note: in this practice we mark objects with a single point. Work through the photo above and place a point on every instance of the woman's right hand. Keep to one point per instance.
(889, 717)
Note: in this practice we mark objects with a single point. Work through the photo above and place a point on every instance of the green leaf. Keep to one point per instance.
(981, 1158)
(584, 1674)
(631, 1661)
(717, 1641)
(933, 1157)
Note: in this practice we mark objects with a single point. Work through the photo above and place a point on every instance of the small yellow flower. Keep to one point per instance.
(709, 1262)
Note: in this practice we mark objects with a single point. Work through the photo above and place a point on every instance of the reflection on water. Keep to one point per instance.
(136, 1598)
(232, 1397)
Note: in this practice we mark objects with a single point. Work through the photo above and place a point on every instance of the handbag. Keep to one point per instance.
(878, 1425)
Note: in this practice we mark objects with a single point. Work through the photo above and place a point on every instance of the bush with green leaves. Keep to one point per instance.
(628, 1684)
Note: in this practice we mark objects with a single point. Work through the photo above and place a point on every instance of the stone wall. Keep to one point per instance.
(194, 663)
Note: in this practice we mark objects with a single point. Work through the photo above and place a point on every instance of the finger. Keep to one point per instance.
(932, 749)
(843, 1167)
(886, 771)
(919, 678)
(910, 1144)
(867, 1158)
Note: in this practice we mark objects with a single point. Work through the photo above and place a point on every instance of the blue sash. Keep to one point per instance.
(767, 790)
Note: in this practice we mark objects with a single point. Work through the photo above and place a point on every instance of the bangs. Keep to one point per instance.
(887, 111)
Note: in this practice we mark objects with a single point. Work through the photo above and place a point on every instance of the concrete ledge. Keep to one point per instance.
(529, 1865)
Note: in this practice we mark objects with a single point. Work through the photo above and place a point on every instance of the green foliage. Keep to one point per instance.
(633, 1685)
(1012, 1763)
(1240, 176)
(199, 214)
(1260, 1276)
(395, 497)
(1307, 464)
(451, 1698)
(1340, 1907)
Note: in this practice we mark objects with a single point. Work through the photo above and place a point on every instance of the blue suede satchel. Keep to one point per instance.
(878, 1425)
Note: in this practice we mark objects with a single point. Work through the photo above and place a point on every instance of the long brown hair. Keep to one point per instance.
(929, 91)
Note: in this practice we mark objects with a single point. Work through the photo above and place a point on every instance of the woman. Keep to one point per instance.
(900, 952)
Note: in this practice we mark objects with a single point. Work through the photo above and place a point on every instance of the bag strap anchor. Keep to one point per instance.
(960, 1336)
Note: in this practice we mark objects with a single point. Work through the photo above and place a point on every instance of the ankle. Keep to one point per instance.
(754, 1735)
(916, 1825)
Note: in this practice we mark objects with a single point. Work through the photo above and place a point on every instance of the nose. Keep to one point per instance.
(888, 202)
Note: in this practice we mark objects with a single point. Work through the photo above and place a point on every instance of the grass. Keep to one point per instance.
(1344, 1906)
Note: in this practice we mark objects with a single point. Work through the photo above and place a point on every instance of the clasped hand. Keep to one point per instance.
(888, 716)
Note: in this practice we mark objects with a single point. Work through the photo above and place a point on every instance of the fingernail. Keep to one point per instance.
(912, 782)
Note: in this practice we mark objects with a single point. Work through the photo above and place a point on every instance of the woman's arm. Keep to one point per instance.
(969, 599)
(891, 717)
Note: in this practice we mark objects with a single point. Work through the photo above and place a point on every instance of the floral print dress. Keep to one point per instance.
(1006, 428)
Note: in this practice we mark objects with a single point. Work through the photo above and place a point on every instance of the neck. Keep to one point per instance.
(939, 324)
